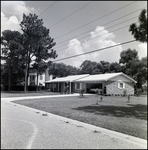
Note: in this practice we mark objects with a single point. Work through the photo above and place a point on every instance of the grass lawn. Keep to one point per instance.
(113, 113)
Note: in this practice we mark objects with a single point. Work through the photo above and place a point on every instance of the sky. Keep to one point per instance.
(81, 26)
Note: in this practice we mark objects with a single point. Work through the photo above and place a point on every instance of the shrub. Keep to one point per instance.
(124, 93)
(138, 92)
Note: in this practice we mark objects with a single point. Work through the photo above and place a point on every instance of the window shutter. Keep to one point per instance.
(119, 85)
(123, 85)
(80, 85)
(75, 85)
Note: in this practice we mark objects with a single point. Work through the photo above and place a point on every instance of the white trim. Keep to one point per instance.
(120, 83)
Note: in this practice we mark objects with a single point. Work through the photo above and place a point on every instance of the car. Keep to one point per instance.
(94, 90)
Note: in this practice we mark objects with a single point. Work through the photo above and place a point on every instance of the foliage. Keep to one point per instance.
(62, 70)
(124, 93)
(12, 53)
(140, 32)
(88, 67)
(132, 66)
(38, 43)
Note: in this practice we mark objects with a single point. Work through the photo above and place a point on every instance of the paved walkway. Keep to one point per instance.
(136, 142)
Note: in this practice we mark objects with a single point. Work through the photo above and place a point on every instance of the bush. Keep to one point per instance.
(31, 88)
(124, 93)
(138, 92)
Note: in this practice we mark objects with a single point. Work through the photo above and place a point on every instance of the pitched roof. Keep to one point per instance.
(103, 77)
(70, 78)
(89, 78)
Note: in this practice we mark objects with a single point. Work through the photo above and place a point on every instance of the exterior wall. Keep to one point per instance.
(41, 81)
(120, 77)
(52, 86)
(112, 88)
(47, 76)
(82, 86)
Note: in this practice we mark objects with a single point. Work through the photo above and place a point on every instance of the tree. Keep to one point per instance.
(13, 55)
(105, 66)
(126, 57)
(115, 67)
(88, 67)
(140, 32)
(132, 66)
(102, 67)
(62, 70)
(38, 43)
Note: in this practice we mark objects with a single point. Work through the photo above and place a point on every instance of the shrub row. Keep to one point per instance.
(21, 88)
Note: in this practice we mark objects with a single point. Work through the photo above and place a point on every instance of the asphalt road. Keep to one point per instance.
(27, 128)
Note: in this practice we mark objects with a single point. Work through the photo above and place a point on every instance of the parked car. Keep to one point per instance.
(94, 90)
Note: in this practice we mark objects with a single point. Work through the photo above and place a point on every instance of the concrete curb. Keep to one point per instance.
(46, 96)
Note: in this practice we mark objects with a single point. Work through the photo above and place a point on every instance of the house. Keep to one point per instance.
(59, 84)
(32, 79)
(109, 83)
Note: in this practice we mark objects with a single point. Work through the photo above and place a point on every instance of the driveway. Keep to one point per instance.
(28, 128)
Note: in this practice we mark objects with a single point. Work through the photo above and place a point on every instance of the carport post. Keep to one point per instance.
(58, 86)
(70, 87)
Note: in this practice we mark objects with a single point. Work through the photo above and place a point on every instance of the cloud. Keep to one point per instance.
(10, 23)
(142, 52)
(99, 38)
(12, 13)
(16, 8)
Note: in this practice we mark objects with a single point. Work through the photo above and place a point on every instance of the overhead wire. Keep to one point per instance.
(99, 36)
(96, 19)
(85, 25)
(104, 25)
(70, 14)
(103, 30)
(47, 8)
(94, 51)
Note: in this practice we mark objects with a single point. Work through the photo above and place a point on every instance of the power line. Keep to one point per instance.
(103, 25)
(94, 51)
(47, 8)
(96, 19)
(70, 14)
(100, 30)
(99, 36)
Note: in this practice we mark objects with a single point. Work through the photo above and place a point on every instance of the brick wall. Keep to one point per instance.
(112, 88)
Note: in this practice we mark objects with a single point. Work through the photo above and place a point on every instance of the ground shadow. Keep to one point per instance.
(138, 111)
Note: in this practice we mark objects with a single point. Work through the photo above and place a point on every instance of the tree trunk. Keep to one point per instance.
(37, 79)
(38, 69)
(9, 80)
(26, 72)
(25, 86)
(9, 77)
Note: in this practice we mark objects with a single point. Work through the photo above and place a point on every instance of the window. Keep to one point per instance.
(32, 77)
(41, 77)
(121, 85)
(77, 85)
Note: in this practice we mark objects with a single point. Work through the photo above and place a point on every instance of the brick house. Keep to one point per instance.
(109, 83)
